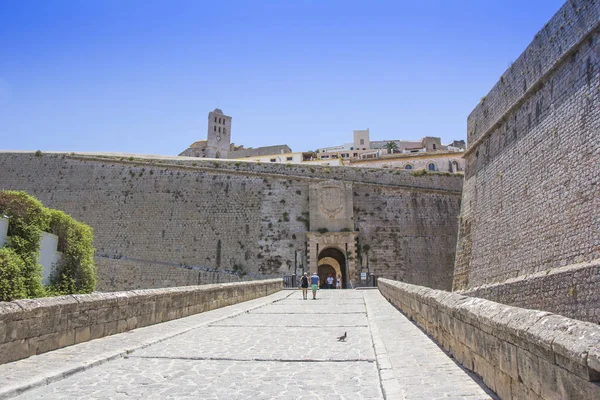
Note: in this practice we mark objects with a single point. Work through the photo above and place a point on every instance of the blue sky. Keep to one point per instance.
(141, 76)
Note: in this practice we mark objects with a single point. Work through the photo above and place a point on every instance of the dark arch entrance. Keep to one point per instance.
(325, 269)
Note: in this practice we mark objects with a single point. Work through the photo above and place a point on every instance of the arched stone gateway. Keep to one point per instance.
(332, 248)
(332, 262)
(337, 250)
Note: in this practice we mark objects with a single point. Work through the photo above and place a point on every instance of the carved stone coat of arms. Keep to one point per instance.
(331, 200)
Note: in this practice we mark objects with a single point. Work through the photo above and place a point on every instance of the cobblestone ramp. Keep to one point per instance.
(287, 348)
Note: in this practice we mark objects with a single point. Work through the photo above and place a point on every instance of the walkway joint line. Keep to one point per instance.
(285, 360)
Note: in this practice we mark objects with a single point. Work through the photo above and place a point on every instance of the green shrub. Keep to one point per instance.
(12, 284)
(76, 273)
(28, 218)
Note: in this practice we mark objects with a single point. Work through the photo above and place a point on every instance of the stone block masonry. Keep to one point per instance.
(29, 327)
(122, 274)
(571, 291)
(155, 219)
(531, 195)
(519, 353)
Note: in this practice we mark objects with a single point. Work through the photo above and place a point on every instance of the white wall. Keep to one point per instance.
(48, 255)
(3, 231)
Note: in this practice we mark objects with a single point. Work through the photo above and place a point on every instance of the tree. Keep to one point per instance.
(391, 147)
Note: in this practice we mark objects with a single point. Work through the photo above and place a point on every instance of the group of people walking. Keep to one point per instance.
(315, 282)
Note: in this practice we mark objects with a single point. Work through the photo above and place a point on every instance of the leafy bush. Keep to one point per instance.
(12, 284)
(76, 273)
(28, 218)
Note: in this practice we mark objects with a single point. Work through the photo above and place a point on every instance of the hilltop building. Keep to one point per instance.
(428, 153)
(218, 142)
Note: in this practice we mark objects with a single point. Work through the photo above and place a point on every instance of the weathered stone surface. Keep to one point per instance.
(31, 327)
(161, 221)
(255, 352)
(529, 231)
(570, 291)
(519, 353)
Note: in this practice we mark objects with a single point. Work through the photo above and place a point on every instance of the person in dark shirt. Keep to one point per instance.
(304, 286)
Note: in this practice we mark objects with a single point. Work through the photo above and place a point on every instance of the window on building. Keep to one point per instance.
(434, 146)
(273, 159)
(431, 166)
(408, 166)
(362, 141)
(219, 129)
(355, 155)
(215, 119)
(219, 120)
(289, 158)
(215, 128)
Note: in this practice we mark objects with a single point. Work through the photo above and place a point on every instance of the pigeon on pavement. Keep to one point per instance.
(342, 338)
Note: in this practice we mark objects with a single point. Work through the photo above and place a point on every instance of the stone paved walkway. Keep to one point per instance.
(279, 347)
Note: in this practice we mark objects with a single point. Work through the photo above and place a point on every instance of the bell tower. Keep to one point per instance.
(219, 135)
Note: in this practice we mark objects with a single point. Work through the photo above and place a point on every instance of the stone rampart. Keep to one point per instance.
(159, 221)
(29, 327)
(125, 274)
(519, 353)
(532, 188)
(570, 291)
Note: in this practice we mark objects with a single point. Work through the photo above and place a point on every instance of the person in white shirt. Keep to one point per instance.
(330, 282)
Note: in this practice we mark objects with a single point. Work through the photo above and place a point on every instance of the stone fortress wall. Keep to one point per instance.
(529, 226)
(161, 221)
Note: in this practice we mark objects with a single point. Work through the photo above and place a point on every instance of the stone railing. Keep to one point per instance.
(519, 353)
(29, 327)
(572, 291)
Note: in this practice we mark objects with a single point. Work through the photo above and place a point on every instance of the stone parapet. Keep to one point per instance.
(519, 353)
(34, 326)
(558, 40)
(571, 291)
(379, 176)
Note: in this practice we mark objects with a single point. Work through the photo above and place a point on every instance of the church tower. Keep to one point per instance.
(219, 135)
